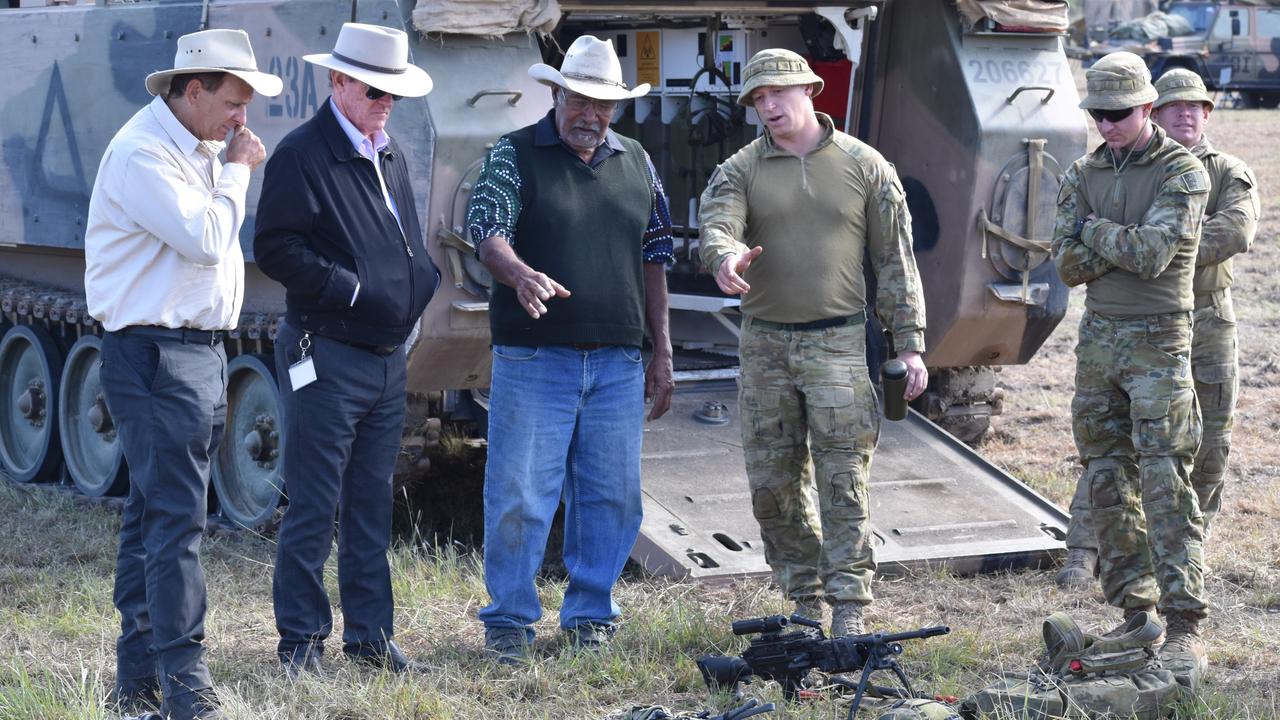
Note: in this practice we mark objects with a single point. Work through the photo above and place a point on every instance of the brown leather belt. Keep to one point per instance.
(590, 346)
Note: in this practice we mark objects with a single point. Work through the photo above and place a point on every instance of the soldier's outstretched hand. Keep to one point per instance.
(917, 374)
(729, 276)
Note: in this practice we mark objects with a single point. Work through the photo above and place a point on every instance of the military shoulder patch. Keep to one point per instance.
(1194, 182)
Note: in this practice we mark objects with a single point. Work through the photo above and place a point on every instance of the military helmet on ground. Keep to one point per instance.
(776, 67)
(1181, 84)
(1119, 80)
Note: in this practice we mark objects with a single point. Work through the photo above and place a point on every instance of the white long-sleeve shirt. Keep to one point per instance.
(162, 245)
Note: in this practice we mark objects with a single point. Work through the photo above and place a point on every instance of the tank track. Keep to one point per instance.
(65, 314)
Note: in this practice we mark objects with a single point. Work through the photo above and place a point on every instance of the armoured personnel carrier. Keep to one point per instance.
(978, 118)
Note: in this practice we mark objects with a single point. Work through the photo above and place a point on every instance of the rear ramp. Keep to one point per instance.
(934, 501)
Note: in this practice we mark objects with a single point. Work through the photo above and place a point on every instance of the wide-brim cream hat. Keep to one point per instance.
(590, 68)
(1119, 80)
(376, 56)
(219, 50)
(776, 67)
(1180, 84)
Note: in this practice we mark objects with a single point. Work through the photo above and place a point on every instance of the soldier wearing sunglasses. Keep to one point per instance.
(1128, 228)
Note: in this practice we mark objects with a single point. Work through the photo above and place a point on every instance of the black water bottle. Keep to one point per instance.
(893, 383)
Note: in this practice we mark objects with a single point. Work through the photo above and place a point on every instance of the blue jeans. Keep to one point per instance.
(562, 423)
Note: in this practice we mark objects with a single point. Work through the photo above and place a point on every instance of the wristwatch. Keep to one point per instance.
(1080, 223)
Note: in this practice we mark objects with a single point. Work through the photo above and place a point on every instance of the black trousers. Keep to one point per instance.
(168, 399)
(341, 439)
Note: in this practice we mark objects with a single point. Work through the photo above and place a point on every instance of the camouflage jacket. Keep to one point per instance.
(1137, 253)
(1231, 216)
(816, 216)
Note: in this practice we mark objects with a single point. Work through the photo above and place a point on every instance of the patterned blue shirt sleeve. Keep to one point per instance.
(659, 245)
(495, 201)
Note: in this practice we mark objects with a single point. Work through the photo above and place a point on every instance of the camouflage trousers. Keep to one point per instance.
(810, 418)
(1215, 368)
(1137, 428)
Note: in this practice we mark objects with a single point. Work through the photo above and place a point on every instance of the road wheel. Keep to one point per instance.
(30, 368)
(90, 443)
(246, 471)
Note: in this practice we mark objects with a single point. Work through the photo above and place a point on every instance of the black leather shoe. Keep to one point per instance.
(304, 659)
(383, 657)
(137, 696)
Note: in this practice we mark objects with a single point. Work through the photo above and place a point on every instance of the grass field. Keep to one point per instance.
(58, 626)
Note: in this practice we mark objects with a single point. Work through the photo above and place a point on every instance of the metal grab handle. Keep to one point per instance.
(515, 96)
(1025, 88)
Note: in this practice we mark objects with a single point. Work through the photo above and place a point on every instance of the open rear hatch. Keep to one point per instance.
(934, 501)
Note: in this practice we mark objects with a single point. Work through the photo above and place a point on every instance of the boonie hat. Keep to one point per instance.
(376, 56)
(218, 50)
(1119, 80)
(776, 67)
(590, 68)
(1180, 84)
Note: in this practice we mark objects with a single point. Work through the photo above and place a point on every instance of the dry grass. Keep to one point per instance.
(57, 624)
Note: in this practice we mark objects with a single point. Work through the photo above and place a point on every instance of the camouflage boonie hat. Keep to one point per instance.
(1181, 85)
(777, 68)
(1119, 80)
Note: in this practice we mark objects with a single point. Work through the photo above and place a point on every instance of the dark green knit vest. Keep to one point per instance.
(583, 227)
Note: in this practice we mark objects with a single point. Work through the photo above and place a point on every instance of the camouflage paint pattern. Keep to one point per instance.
(810, 416)
(1137, 428)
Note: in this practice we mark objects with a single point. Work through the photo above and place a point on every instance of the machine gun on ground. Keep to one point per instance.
(787, 657)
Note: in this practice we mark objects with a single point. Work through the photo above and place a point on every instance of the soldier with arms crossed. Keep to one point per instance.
(1127, 227)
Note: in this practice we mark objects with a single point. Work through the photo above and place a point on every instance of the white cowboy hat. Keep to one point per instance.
(590, 68)
(216, 51)
(376, 56)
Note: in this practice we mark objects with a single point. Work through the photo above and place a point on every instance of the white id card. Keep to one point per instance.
(302, 373)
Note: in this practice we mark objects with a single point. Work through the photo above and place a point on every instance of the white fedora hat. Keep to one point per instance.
(590, 68)
(376, 56)
(216, 51)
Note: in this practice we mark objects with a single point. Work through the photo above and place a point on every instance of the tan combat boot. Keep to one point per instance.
(1080, 569)
(1184, 652)
(846, 619)
(811, 607)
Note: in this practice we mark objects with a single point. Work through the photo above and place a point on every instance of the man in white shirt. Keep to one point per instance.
(165, 277)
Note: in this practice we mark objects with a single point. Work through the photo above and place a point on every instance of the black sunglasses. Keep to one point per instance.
(374, 93)
(1111, 116)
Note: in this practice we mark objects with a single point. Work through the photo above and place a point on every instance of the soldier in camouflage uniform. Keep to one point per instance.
(1127, 226)
(785, 223)
(1231, 219)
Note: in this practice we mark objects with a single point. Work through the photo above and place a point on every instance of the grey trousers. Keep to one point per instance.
(341, 438)
(168, 399)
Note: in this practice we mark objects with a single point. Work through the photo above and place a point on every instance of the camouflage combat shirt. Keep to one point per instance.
(816, 216)
(1138, 254)
(1231, 217)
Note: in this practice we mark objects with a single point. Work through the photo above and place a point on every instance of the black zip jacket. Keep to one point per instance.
(322, 225)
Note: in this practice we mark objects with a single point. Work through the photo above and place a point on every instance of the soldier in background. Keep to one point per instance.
(1231, 219)
(1127, 227)
(786, 223)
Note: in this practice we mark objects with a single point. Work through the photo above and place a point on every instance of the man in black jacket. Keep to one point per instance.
(338, 227)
